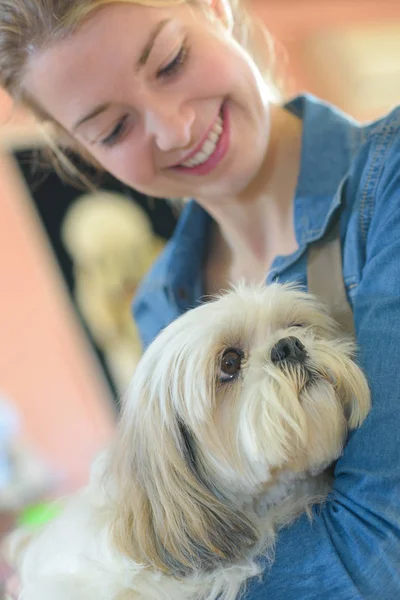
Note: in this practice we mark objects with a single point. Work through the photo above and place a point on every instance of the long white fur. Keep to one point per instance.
(203, 474)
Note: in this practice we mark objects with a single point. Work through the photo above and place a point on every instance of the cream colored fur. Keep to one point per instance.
(203, 473)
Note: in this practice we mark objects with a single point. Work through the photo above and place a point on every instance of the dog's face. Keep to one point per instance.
(227, 398)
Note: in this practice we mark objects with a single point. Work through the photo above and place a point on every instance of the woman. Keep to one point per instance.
(168, 98)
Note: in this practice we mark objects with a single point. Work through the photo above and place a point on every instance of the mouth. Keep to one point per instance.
(310, 378)
(303, 376)
(212, 149)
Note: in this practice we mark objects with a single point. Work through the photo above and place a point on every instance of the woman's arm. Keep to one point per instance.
(352, 548)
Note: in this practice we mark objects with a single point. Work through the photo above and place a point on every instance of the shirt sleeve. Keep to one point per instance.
(351, 549)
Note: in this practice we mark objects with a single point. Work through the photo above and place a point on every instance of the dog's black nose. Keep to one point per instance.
(288, 349)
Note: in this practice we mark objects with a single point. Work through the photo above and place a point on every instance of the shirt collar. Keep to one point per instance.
(330, 140)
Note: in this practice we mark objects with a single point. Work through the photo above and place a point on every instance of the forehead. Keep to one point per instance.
(244, 316)
(82, 68)
(273, 305)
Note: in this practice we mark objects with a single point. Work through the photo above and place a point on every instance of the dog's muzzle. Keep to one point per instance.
(288, 350)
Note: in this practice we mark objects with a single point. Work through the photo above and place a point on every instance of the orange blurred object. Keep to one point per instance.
(46, 365)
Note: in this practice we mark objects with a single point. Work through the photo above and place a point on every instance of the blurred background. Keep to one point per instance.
(67, 346)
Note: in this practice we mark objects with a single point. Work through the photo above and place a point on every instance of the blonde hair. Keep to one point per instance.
(28, 27)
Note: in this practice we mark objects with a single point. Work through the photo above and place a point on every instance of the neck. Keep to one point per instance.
(254, 227)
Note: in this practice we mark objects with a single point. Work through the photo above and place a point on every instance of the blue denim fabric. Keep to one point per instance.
(351, 550)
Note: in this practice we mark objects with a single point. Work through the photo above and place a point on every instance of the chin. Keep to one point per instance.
(233, 419)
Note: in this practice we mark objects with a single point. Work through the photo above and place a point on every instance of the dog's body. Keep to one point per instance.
(233, 416)
(75, 558)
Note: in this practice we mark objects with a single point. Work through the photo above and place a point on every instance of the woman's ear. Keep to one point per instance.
(223, 11)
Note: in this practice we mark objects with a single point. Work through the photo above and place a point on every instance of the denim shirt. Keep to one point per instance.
(351, 549)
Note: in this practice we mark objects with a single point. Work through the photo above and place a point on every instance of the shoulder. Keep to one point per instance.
(379, 141)
(374, 177)
(334, 132)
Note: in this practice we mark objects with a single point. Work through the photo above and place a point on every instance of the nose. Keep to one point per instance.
(289, 349)
(171, 128)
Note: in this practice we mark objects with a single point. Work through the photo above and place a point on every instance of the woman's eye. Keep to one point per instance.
(116, 133)
(231, 363)
(176, 64)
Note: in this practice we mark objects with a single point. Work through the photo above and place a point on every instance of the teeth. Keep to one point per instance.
(209, 146)
(213, 137)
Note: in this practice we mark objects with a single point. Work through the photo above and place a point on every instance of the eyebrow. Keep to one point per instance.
(144, 55)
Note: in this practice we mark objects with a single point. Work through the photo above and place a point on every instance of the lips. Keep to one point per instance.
(211, 150)
(208, 148)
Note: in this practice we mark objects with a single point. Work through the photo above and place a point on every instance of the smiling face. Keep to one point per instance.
(163, 98)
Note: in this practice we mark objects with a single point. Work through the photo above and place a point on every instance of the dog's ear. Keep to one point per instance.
(357, 397)
(168, 515)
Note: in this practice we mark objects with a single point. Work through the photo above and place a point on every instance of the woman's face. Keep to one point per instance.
(163, 98)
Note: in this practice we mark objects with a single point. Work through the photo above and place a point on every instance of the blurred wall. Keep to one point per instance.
(345, 51)
(46, 365)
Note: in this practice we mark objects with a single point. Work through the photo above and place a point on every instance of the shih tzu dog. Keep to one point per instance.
(233, 418)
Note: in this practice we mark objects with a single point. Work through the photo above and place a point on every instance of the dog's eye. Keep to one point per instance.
(231, 363)
(297, 325)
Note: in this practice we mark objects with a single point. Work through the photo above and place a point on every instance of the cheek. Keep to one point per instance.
(236, 442)
(215, 68)
(211, 78)
(224, 425)
(131, 162)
